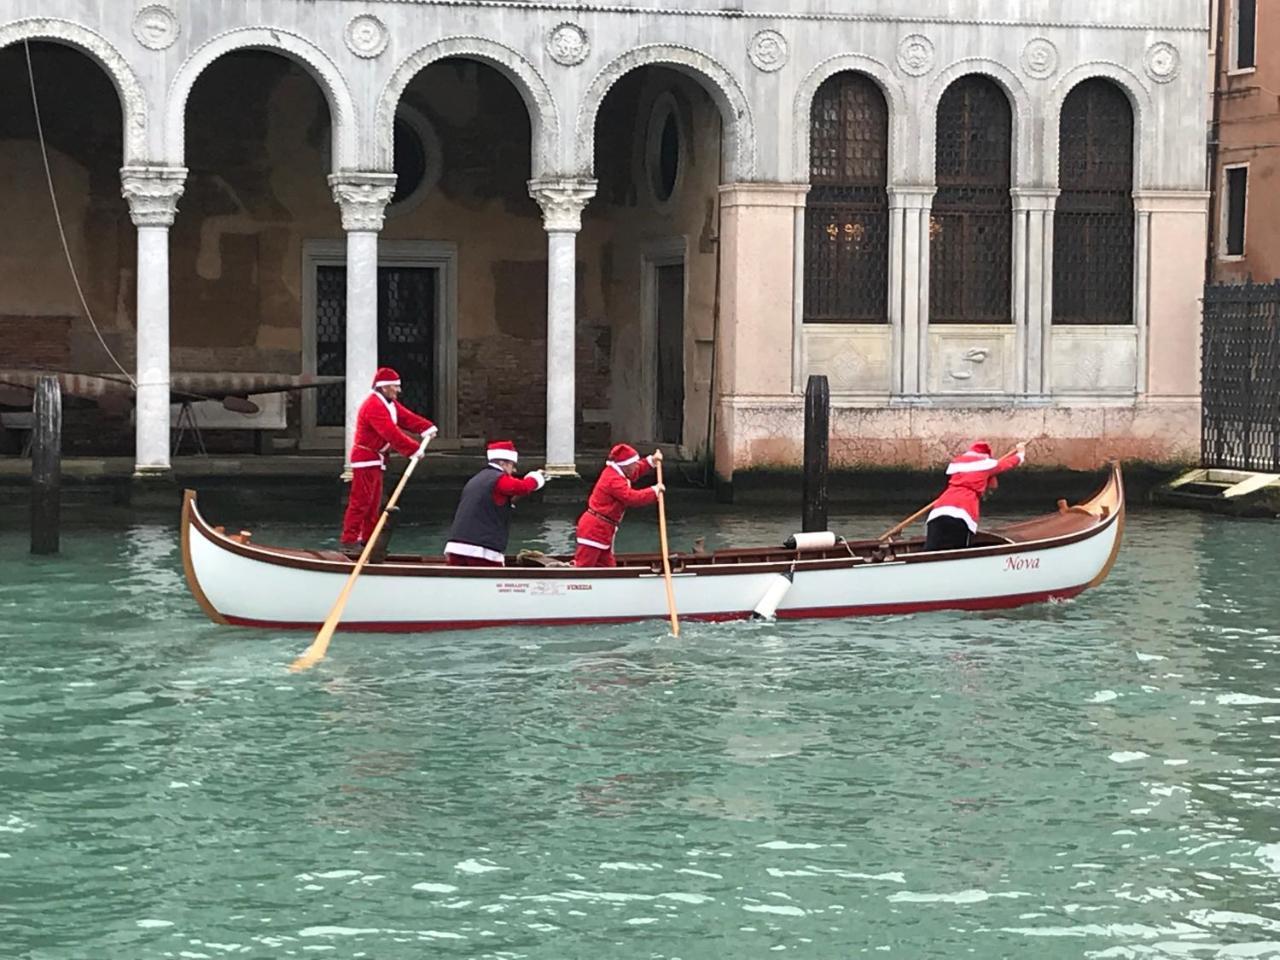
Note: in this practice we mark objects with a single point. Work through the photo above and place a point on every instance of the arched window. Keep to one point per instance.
(971, 230)
(846, 263)
(1093, 225)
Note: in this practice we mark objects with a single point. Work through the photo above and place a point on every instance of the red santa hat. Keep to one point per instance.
(977, 458)
(386, 377)
(502, 450)
(623, 455)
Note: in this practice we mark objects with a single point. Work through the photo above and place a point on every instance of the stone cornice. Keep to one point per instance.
(561, 6)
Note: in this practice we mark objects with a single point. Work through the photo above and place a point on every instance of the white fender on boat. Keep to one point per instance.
(768, 604)
(823, 540)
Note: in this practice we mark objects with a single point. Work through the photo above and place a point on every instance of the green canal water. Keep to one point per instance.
(1090, 779)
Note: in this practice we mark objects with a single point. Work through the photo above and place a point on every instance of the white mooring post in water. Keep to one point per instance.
(46, 467)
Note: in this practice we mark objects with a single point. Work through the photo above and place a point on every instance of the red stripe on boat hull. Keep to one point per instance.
(1005, 602)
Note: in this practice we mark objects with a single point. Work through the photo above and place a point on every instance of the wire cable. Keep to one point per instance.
(57, 214)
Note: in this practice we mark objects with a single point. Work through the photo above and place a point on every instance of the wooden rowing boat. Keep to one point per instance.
(1053, 557)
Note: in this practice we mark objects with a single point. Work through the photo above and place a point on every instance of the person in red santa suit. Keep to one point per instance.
(954, 518)
(482, 523)
(608, 502)
(380, 426)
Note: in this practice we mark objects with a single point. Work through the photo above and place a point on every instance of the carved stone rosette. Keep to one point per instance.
(1040, 58)
(915, 55)
(153, 194)
(363, 199)
(155, 27)
(367, 36)
(1162, 62)
(562, 202)
(568, 45)
(768, 50)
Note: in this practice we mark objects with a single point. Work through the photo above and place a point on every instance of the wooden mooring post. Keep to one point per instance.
(46, 468)
(817, 436)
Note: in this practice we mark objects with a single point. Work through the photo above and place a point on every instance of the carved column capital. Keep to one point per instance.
(911, 196)
(153, 193)
(363, 199)
(1034, 198)
(562, 201)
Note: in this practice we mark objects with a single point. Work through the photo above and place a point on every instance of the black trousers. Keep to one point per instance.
(947, 533)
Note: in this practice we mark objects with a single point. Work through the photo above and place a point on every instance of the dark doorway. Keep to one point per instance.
(406, 335)
(669, 280)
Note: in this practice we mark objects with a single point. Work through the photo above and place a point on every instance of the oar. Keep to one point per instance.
(315, 653)
(894, 531)
(666, 560)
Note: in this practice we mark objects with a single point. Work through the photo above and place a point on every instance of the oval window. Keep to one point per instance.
(663, 155)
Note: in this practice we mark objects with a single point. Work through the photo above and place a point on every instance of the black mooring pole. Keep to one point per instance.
(817, 434)
(46, 467)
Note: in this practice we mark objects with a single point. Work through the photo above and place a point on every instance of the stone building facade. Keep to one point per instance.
(642, 220)
(1245, 224)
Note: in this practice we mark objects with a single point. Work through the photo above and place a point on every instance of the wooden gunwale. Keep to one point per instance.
(1110, 495)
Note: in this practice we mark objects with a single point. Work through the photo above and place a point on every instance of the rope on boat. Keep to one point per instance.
(57, 215)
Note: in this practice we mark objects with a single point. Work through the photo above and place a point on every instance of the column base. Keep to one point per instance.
(561, 470)
(143, 471)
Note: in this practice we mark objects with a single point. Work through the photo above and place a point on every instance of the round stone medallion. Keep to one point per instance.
(1162, 62)
(155, 27)
(568, 44)
(1040, 59)
(367, 36)
(915, 55)
(768, 50)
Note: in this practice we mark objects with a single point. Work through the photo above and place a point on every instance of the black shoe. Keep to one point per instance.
(352, 550)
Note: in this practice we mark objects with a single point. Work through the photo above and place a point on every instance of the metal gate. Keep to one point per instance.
(1240, 377)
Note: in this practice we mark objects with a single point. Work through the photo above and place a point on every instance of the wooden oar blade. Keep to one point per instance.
(319, 647)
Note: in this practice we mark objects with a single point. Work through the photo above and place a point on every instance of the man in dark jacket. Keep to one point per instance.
(482, 523)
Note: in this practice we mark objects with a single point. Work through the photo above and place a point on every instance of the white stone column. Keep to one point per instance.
(1033, 209)
(909, 208)
(153, 194)
(562, 202)
(363, 199)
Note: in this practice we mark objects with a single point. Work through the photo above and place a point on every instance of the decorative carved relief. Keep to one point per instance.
(979, 359)
(562, 202)
(363, 198)
(155, 27)
(855, 358)
(1040, 59)
(568, 44)
(768, 50)
(915, 55)
(367, 36)
(153, 194)
(1162, 62)
(1095, 360)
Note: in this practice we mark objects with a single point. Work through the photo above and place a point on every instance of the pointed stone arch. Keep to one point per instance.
(133, 99)
(342, 109)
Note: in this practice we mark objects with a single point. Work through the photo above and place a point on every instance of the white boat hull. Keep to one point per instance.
(250, 585)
